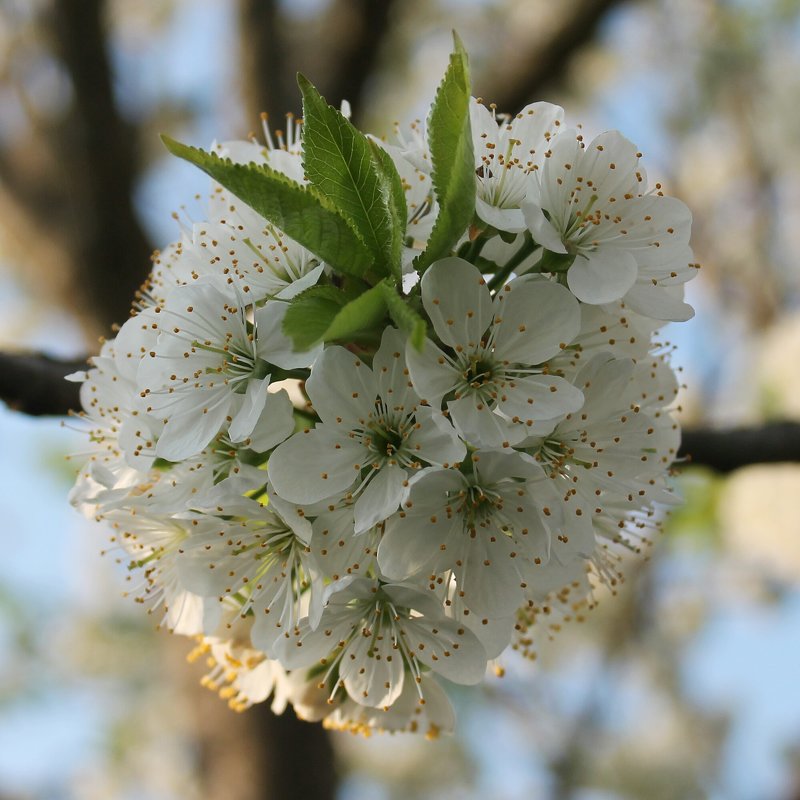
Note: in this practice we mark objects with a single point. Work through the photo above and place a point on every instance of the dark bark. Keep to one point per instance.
(34, 384)
(727, 449)
(267, 80)
(97, 154)
(301, 756)
(364, 25)
(546, 63)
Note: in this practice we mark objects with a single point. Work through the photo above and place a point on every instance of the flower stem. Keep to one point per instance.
(526, 248)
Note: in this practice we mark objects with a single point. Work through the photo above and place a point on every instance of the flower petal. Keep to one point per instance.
(314, 465)
(458, 301)
(342, 387)
(381, 497)
(534, 320)
(603, 275)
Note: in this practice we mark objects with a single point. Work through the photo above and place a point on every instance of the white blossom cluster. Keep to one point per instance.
(342, 524)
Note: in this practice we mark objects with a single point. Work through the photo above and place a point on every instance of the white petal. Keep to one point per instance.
(372, 671)
(447, 647)
(489, 578)
(603, 275)
(479, 425)
(247, 416)
(659, 302)
(458, 301)
(188, 432)
(534, 126)
(301, 284)
(432, 373)
(539, 397)
(314, 465)
(537, 318)
(390, 371)
(435, 440)
(411, 541)
(273, 345)
(275, 424)
(542, 230)
(341, 386)
(504, 219)
(381, 497)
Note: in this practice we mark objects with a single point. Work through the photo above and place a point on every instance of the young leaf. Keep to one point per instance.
(324, 314)
(358, 316)
(453, 176)
(339, 162)
(299, 211)
(392, 187)
(403, 315)
(311, 313)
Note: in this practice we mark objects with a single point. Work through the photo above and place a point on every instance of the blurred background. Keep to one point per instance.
(687, 684)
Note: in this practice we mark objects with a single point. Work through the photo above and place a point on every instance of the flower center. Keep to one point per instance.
(477, 507)
(385, 440)
(479, 372)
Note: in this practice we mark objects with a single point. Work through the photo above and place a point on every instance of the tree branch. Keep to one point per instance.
(727, 449)
(547, 62)
(97, 152)
(33, 383)
(264, 60)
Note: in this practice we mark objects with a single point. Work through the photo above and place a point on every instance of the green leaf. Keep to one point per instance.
(324, 314)
(403, 315)
(392, 186)
(358, 316)
(339, 161)
(311, 313)
(453, 176)
(299, 211)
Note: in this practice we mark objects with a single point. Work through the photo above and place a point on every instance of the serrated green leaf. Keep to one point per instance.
(453, 175)
(299, 211)
(358, 316)
(326, 314)
(338, 160)
(311, 313)
(403, 315)
(392, 187)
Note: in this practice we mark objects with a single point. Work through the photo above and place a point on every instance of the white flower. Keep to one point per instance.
(335, 547)
(490, 529)
(373, 433)
(152, 543)
(506, 154)
(238, 672)
(490, 372)
(421, 707)
(610, 460)
(591, 205)
(262, 561)
(210, 368)
(374, 637)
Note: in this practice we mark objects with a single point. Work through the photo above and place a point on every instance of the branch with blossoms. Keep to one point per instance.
(395, 407)
(33, 384)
